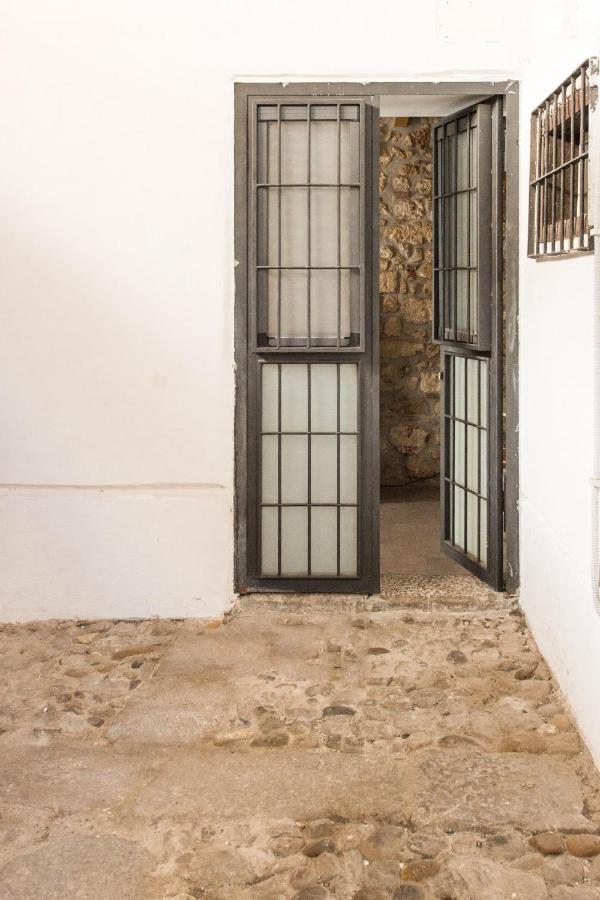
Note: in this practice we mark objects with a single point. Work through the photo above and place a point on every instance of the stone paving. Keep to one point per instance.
(409, 746)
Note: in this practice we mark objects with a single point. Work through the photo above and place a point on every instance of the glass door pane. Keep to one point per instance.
(308, 199)
(466, 439)
(309, 494)
(463, 238)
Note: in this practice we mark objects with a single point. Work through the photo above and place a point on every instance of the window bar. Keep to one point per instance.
(581, 162)
(538, 186)
(309, 488)
(338, 470)
(308, 274)
(544, 184)
(278, 341)
(562, 163)
(479, 422)
(339, 243)
(279, 469)
(545, 168)
(466, 442)
(572, 216)
(554, 129)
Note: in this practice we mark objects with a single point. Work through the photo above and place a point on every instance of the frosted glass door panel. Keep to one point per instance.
(348, 398)
(349, 540)
(294, 397)
(294, 216)
(324, 540)
(324, 397)
(348, 468)
(324, 458)
(324, 138)
(294, 541)
(269, 540)
(308, 252)
(466, 465)
(294, 467)
(310, 479)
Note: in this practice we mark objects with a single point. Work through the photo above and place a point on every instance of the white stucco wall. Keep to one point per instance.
(557, 390)
(116, 289)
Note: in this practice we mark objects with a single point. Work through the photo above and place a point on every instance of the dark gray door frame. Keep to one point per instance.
(243, 92)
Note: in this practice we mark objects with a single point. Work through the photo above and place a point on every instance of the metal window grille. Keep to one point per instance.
(306, 191)
(558, 193)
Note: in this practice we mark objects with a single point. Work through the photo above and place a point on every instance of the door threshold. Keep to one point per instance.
(440, 592)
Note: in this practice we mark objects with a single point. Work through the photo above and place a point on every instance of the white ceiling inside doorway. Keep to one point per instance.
(426, 104)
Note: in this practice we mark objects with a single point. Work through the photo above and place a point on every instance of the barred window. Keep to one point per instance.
(558, 193)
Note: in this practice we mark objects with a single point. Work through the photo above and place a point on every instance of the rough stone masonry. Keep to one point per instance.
(407, 746)
(410, 446)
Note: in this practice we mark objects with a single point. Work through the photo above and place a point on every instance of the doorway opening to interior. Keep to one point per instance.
(409, 358)
(366, 272)
(410, 384)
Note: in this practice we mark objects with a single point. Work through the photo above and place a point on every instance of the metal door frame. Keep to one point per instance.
(243, 93)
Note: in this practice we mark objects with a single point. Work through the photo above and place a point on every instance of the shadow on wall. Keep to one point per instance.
(410, 389)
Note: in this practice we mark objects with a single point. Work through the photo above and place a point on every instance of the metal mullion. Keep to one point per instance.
(278, 340)
(279, 470)
(468, 490)
(479, 417)
(538, 186)
(581, 163)
(452, 450)
(359, 469)
(466, 455)
(309, 488)
(308, 229)
(306, 184)
(315, 433)
(312, 268)
(339, 233)
(338, 471)
(303, 505)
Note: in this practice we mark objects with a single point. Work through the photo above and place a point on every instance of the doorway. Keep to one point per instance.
(308, 196)
(410, 386)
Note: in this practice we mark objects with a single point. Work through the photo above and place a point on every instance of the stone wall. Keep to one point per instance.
(410, 446)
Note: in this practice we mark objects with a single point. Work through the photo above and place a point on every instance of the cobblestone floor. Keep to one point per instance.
(409, 746)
